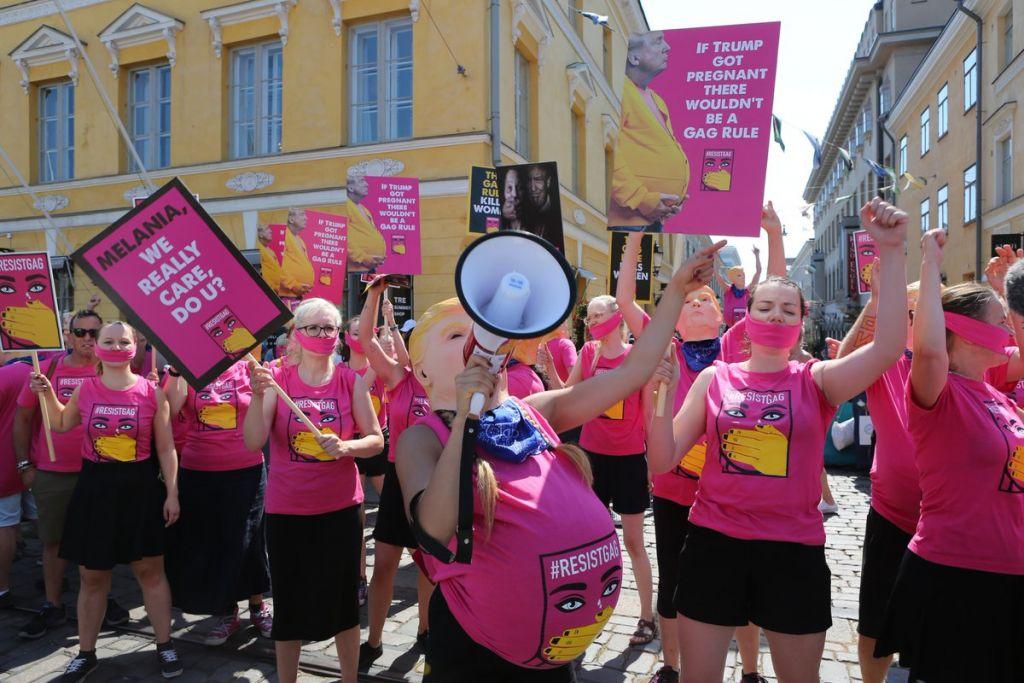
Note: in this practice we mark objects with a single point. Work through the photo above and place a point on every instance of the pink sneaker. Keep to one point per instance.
(225, 627)
(262, 619)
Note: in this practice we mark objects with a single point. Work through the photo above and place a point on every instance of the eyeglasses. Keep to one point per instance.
(81, 332)
(320, 330)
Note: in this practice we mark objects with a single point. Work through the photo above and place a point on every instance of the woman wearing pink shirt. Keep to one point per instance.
(546, 568)
(314, 533)
(353, 354)
(755, 549)
(119, 508)
(216, 553)
(957, 610)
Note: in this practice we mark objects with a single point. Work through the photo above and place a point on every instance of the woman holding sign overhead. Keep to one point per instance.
(314, 534)
(119, 508)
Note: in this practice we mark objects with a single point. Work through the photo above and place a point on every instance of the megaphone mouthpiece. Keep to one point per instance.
(506, 307)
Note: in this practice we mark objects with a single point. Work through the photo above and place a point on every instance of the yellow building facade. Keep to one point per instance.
(934, 123)
(263, 105)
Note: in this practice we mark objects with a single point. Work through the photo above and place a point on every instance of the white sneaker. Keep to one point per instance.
(826, 509)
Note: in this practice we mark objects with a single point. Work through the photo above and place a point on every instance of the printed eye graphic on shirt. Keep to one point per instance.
(216, 406)
(228, 333)
(65, 387)
(1012, 430)
(114, 432)
(302, 445)
(692, 463)
(419, 407)
(754, 430)
(581, 587)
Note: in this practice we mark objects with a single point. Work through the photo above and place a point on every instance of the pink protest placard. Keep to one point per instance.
(392, 207)
(173, 272)
(326, 239)
(695, 130)
(29, 319)
(864, 250)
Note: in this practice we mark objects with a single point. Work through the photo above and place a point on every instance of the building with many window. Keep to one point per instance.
(262, 105)
(947, 158)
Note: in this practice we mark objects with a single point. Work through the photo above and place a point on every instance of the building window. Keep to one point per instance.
(149, 104)
(380, 72)
(903, 154)
(942, 207)
(943, 109)
(926, 217)
(1006, 39)
(523, 111)
(970, 193)
(926, 130)
(885, 98)
(256, 100)
(63, 282)
(56, 132)
(579, 151)
(1005, 161)
(971, 79)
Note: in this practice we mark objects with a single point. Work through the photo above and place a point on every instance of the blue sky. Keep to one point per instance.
(818, 41)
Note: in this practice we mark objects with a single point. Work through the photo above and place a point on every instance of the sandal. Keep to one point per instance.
(645, 632)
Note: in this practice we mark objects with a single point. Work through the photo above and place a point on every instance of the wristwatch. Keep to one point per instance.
(24, 465)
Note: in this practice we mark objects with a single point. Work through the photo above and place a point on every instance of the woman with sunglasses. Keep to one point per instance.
(755, 549)
(119, 508)
(314, 533)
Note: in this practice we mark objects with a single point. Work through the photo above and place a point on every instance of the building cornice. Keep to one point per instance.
(36, 9)
(218, 17)
(139, 25)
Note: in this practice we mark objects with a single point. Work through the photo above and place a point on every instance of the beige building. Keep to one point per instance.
(935, 121)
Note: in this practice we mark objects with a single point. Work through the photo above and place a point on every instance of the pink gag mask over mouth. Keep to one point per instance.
(601, 330)
(323, 346)
(353, 343)
(983, 334)
(115, 355)
(772, 335)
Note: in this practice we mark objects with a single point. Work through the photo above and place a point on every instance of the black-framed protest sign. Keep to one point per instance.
(29, 315)
(644, 265)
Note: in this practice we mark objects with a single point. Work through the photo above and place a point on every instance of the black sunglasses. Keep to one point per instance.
(80, 332)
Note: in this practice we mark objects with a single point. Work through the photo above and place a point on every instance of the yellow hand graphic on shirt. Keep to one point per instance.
(764, 448)
(1016, 464)
(120, 447)
(239, 339)
(34, 322)
(305, 444)
(615, 412)
(718, 180)
(219, 415)
(693, 461)
(574, 641)
(375, 402)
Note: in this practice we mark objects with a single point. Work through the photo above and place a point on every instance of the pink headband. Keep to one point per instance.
(985, 335)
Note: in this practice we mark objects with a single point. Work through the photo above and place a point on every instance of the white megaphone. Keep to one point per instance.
(514, 285)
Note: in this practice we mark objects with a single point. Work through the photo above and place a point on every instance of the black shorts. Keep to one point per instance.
(392, 525)
(670, 528)
(314, 573)
(780, 586)
(454, 657)
(621, 481)
(884, 547)
(377, 465)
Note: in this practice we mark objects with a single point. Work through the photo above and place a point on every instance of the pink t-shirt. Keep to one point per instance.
(620, 430)
(118, 423)
(523, 381)
(970, 453)
(215, 415)
(895, 492)
(563, 356)
(378, 396)
(407, 403)
(734, 304)
(13, 376)
(67, 447)
(303, 479)
(766, 442)
(551, 564)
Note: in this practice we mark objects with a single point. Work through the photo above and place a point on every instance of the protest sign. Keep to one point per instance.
(29, 317)
(393, 206)
(484, 200)
(177, 276)
(864, 253)
(695, 130)
(325, 237)
(644, 265)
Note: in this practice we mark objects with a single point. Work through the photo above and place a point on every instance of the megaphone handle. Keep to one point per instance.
(659, 410)
(476, 404)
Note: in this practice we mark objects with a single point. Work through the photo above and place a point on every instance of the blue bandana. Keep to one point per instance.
(701, 354)
(509, 435)
(737, 292)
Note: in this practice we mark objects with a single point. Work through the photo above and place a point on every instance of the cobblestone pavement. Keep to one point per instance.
(128, 654)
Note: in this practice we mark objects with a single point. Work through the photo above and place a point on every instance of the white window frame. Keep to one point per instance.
(65, 129)
(942, 207)
(904, 142)
(970, 79)
(970, 193)
(388, 103)
(1004, 168)
(267, 125)
(942, 99)
(926, 214)
(926, 130)
(154, 102)
(522, 94)
(1006, 36)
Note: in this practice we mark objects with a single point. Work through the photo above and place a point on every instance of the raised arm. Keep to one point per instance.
(844, 378)
(863, 330)
(930, 368)
(757, 267)
(625, 288)
(401, 352)
(568, 408)
(387, 368)
(772, 227)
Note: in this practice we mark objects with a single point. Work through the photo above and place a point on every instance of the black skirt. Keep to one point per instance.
(314, 570)
(392, 525)
(952, 625)
(217, 552)
(115, 515)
